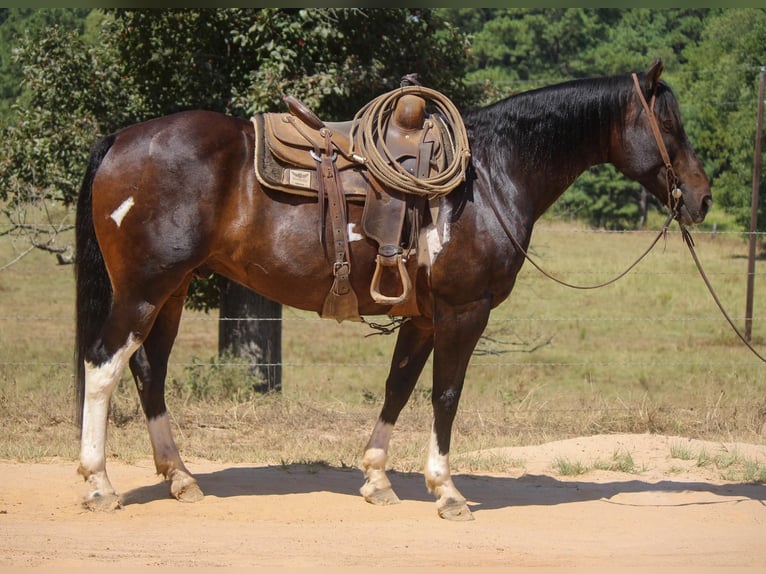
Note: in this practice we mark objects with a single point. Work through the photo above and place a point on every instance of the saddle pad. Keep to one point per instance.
(276, 171)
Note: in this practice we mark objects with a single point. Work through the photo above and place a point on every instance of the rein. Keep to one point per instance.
(686, 234)
(674, 196)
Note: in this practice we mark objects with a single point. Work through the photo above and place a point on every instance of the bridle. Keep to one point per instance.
(671, 179)
(674, 196)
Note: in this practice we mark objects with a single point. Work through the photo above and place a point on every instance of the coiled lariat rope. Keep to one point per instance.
(369, 127)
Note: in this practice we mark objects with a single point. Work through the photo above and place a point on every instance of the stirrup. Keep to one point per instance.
(375, 293)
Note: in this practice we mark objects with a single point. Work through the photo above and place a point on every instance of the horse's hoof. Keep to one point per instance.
(189, 493)
(456, 510)
(379, 496)
(97, 502)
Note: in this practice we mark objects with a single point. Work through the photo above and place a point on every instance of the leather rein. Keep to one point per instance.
(674, 195)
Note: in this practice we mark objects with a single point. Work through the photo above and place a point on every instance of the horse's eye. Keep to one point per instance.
(667, 125)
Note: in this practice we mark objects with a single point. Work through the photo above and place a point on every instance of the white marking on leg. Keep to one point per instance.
(377, 487)
(119, 213)
(167, 460)
(438, 478)
(449, 502)
(99, 384)
(353, 235)
(437, 466)
(376, 453)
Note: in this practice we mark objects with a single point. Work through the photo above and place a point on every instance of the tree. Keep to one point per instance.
(522, 48)
(722, 89)
(72, 92)
(14, 24)
(236, 61)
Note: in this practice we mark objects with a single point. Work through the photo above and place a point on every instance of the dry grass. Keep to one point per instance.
(648, 354)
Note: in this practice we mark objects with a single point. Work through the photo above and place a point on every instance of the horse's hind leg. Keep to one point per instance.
(104, 362)
(413, 346)
(149, 366)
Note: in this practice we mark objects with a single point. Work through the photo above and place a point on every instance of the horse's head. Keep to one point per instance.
(653, 149)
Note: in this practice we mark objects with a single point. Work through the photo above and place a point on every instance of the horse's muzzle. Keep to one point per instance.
(695, 216)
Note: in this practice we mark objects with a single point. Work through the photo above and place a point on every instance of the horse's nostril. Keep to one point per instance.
(707, 204)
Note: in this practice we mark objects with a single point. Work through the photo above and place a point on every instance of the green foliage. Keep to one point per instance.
(605, 199)
(118, 66)
(15, 24)
(73, 93)
(721, 86)
(222, 378)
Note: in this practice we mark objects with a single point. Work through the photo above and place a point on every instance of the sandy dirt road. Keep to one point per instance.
(671, 513)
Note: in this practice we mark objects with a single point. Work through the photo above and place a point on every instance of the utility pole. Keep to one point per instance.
(754, 210)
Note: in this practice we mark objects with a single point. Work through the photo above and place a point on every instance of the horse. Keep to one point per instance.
(174, 197)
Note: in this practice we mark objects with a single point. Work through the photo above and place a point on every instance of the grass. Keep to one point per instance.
(650, 353)
(729, 464)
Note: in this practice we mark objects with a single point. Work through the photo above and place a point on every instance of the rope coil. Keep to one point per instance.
(369, 126)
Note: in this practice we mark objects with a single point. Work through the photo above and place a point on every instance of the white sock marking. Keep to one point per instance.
(376, 453)
(99, 384)
(437, 467)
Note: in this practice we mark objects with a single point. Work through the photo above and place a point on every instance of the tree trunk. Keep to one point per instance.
(251, 328)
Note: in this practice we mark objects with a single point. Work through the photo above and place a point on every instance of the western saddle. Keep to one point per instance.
(298, 153)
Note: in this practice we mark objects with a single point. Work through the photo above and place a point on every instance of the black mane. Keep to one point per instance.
(554, 123)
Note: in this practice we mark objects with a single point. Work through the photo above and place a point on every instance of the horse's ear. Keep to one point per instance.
(653, 76)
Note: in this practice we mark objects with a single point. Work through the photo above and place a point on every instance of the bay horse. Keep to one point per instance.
(172, 197)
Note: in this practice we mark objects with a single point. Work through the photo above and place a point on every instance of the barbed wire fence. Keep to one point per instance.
(502, 352)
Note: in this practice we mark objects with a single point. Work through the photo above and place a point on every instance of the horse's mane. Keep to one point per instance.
(555, 122)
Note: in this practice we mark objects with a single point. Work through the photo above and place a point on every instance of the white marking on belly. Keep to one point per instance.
(353, 235)
(119, 213)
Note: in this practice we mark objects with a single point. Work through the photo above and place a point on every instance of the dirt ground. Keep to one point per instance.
(671, 513)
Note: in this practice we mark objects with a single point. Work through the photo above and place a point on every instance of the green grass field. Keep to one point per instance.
(651, 353)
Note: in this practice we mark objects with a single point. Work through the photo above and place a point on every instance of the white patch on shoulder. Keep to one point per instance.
(353, 235)
(436, 241)
(119, 214)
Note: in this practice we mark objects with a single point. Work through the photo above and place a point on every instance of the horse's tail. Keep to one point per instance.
(94, 291)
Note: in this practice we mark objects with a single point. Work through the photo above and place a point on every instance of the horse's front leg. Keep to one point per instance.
(413, 347)
(457, 330)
